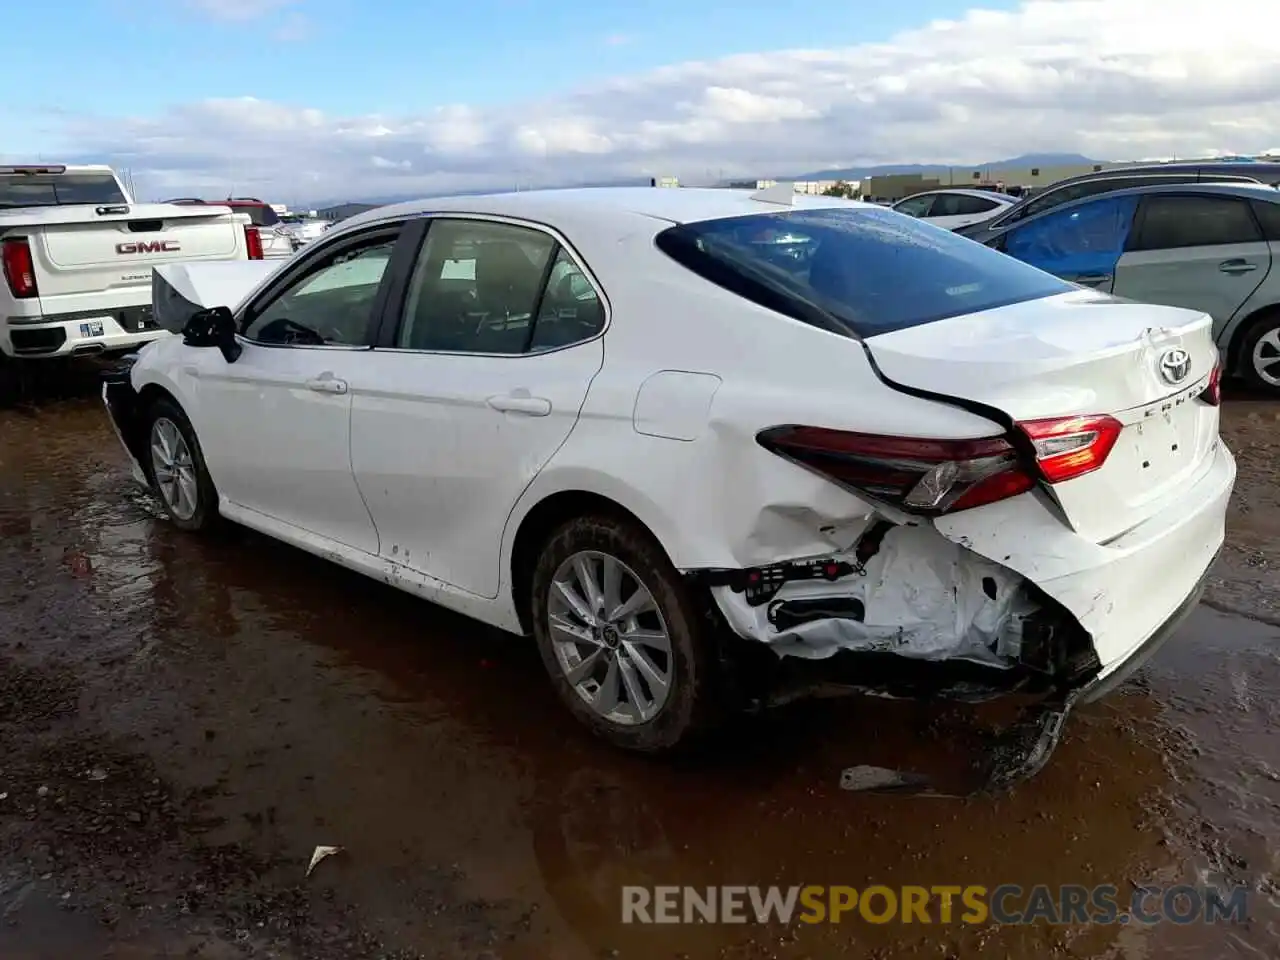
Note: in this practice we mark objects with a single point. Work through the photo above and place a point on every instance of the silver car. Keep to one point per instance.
(1206, 246)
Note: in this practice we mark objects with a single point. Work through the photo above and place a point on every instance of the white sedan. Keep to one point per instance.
(955, 208)
(684, 437)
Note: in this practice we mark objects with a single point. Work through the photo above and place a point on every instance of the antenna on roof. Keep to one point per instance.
(783, 194)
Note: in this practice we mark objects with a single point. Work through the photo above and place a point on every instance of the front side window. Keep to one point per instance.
(1093, 188)
(331, 304)
(1085, 239)
(961, 205)
(915, 206)
(1170, 222)
(496, 288)
(860, 271)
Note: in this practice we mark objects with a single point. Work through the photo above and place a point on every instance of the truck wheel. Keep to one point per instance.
(1260, 353)
(620, 632)
(175, 466)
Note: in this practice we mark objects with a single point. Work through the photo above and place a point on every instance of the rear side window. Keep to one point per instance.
(1269, 216)
(861, 271)
(1170, 222)
(59, 190)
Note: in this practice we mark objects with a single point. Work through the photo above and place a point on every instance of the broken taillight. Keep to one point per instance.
(19, 268)
(919, 475)
(933, 476)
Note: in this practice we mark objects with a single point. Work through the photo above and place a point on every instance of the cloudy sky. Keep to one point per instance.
(340, 99)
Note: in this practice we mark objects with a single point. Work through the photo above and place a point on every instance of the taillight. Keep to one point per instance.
(1212, 393)
(943, 476)
(253, 242)
(19, 269)
(1070, 447)
(918, 475)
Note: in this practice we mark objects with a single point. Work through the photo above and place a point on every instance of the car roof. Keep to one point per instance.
(1259, 169)
(1257, 191)
(669, 204)
(965, 192)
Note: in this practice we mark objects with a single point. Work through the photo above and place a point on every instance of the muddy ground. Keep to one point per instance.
(183, 722)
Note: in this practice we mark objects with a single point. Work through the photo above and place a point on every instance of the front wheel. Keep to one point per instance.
(622, 635)
(1260, 353)
(175, 465)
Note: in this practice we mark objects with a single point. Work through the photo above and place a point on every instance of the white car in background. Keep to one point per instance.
(953, 209)
(689, 459)
(303, 230)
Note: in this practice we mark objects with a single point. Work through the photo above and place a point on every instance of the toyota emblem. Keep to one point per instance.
(1175, 364)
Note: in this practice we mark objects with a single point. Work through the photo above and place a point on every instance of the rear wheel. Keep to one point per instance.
(175, 465)
(1260, 353)
(622, 636)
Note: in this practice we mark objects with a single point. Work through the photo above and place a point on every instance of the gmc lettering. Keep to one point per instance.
(148, 246)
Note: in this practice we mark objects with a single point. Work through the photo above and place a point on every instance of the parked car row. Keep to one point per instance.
(702, 443)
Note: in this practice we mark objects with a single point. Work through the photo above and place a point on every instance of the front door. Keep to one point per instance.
(1201, 251)
(276, 423)
(1081, 243)
(496, 342)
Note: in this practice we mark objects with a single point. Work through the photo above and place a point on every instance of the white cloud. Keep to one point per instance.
(1115, 79)
(237, 9)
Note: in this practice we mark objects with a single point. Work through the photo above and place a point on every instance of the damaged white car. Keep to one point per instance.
(704, 444)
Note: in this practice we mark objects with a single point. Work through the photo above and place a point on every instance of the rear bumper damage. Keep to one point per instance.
(980, 604)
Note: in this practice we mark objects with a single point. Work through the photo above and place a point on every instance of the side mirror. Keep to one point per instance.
(214, 327)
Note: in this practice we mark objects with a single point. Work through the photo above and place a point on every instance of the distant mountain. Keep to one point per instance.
(930, 169)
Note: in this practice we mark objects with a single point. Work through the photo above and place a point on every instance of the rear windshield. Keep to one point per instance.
(869, 270)
(259, 214)
(51, 190)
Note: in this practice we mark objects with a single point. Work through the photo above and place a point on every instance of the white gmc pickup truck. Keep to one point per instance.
(77, 254)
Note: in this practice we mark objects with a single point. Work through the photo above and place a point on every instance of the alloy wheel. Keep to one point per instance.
(1266, 357)
(610, 638)
(174, 469)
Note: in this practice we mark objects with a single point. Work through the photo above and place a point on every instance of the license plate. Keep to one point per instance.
(92, 328)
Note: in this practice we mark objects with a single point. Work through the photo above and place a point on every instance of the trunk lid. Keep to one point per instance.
(79, 250)
(1073, 354)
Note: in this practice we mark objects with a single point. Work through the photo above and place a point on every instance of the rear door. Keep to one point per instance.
(483, 364)
(1081, 243)
(1201, 251)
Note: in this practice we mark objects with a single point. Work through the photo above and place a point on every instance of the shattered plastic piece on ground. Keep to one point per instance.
(321, 853)
(1018, 755)
(865, 779)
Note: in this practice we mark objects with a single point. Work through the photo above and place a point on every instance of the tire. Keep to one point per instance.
(688, 707)
(165, 417)
(1252, 339)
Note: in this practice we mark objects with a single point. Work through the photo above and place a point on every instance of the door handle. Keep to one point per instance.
(520, 402)
(327, 383)
(1237, 266)
(1092, 279)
